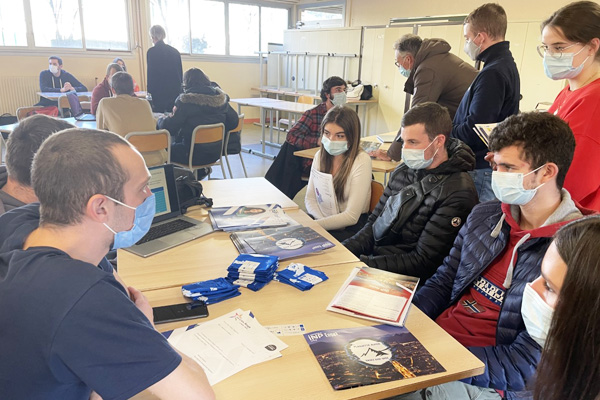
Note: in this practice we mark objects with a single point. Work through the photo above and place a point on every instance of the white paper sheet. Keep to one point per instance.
(324, 192)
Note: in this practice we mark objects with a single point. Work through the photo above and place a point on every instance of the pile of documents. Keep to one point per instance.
(211, 291)
(252, 271)
(242, 218)
(228, 344)
(300, 276)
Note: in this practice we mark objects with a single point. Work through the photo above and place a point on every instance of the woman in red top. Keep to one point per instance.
(570, 43)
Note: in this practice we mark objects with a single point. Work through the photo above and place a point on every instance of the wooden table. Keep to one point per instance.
(297, 374)
(270, 105)
(79, 124)
(245, 191)
(54, 96)
(208, 258)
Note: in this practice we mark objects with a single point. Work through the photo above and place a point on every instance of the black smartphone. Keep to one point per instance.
(179, 312)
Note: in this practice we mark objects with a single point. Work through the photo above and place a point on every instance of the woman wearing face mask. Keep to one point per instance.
(119, 60)
(564, 304)
(570, 44)
(341, 156)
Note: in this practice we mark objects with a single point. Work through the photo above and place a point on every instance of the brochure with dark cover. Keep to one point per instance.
(284, 242)
(368, 355)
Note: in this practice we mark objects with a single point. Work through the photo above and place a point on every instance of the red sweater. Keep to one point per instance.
(581, 110)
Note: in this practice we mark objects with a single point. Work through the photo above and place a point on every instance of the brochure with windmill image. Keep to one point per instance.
(284, 242)
(368, 355)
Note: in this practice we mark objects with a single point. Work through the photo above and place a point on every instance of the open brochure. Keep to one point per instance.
(387, 137)
(324, 192)
(284, 242)
(484, 131)
(375, 295)
(369, 147)
(240, 218)
(368, 355)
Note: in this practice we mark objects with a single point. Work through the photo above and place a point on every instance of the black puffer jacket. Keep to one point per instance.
(427, 235)
(197, 106)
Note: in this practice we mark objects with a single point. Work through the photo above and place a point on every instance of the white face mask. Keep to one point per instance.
(53, 69)
(339, 99)
(562, 68)
(537, 315)
(471, 49)
(508, 187)
(415, 158)
(334, 147)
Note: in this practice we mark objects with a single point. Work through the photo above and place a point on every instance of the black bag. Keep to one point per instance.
(6, 119)
(189, 190)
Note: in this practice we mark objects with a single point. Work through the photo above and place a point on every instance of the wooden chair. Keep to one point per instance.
(212, 136)
(23, 111)
(237, 150)
(376, 193)
(151, 141)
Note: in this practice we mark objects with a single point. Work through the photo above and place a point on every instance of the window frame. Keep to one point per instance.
(306, 6)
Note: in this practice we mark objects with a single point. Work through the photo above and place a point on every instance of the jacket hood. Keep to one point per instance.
(205, 96)
(460, 159)
(16, 226)
(431, 47)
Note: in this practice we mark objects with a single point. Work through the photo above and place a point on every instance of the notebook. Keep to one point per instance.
(77, 110)
(169, 228)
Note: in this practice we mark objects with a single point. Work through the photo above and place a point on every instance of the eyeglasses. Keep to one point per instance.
(397, 64)
(553, 51)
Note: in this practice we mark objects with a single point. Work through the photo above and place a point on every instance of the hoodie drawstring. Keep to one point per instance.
(511, 266)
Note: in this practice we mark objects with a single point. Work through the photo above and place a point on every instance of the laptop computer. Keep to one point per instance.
(77, 110)
(169, 227)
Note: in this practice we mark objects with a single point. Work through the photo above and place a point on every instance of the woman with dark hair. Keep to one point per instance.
(201, 103)
(570, 44)
(119, 60)
(561, 312)
(350, 168)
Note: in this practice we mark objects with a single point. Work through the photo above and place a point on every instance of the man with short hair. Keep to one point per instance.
(165, 72)
(55, 79)
(103, 89)
(74, 328)
(476, 293)
(494, 94)
(425, 202)
(125, 113)
(433, 74)
(287, 170)
(23, 143)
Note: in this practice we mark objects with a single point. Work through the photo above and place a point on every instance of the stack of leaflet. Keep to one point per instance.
(484, 131)
(253, 271)
(211, 291)
(228, 344)
(242, 218)
(300, 276)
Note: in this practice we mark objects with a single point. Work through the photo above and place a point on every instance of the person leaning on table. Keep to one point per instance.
(70, 327)
(55, 79)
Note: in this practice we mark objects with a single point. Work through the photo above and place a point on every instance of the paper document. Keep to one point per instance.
(324, 192)
(387, 137)
(228, 344)
(484, 131)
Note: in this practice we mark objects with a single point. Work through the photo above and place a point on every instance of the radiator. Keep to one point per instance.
(20, 91)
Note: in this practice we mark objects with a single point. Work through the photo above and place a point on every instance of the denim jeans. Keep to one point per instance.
(483, 183)
(452, 391)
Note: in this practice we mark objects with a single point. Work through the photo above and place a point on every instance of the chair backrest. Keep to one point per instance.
(208, 133)
(151, 141)
(235, 146)
(23, 111)
(376, 193)
(306, 99)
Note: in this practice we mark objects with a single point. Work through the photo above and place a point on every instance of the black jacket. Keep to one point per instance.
(427, 234)
(165, 74)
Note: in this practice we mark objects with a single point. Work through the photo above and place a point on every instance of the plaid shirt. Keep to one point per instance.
(305, 133)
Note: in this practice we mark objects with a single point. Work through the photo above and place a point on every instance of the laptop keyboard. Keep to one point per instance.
(159, 231)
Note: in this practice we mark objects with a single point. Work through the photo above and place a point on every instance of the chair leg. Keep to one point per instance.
(223, 170)
(228, 166)
(243, 166)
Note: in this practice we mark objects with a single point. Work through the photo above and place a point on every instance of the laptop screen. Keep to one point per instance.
(162, 184)
(74, 103)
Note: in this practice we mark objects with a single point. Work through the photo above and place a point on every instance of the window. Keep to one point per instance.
(219, 27)
(13, 29)
(325, 15)
(58, 23)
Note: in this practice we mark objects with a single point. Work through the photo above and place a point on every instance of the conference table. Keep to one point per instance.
(297, 374)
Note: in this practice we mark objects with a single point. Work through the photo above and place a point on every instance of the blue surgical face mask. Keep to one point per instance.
(562, 68)
(415, 158)
(508, 187)
(335, 147)
(404, 72)
(144, 214)
(339, 99)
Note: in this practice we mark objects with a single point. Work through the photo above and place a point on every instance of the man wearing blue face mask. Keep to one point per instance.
(91, 332)
(425, 202)
(495, 92)
(476, 294)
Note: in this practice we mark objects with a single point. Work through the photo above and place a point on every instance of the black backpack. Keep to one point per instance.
(189, 190)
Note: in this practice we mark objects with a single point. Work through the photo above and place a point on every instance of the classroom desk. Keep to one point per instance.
(79, 124)
(297, 374)
(245, 191)
(208, 258)
(55, 95)
(270, 105)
